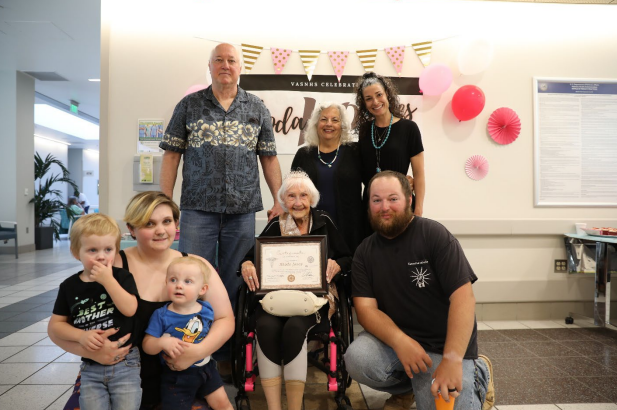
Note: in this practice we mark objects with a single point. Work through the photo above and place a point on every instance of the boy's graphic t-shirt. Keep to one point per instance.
(89, 306)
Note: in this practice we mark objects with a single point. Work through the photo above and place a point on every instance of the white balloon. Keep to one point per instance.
(475, 56)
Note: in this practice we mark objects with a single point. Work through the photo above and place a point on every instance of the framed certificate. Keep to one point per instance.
(291, 262)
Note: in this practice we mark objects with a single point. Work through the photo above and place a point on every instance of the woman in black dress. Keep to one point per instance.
(387, 140)
(332, 161)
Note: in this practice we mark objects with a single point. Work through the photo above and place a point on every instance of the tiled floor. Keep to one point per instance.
(539, 365)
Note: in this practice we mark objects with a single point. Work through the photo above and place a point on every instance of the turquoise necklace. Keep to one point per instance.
(329, 164)
(378, 148)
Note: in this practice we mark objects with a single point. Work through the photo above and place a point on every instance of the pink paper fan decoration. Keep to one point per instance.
(476, 167)
(504, 126)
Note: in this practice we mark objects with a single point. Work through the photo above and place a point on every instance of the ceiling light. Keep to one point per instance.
(94, 79)
(51, 139)
(62, 121)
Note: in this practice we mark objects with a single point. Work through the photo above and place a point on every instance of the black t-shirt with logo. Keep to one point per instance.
(89, 306)
(412, 277)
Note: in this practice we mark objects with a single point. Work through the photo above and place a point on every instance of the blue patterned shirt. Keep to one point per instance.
(220, 172)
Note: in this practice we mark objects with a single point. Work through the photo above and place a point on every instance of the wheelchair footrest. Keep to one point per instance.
(249, 384)
(332, 384)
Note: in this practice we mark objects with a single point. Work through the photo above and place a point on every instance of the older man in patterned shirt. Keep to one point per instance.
(220, 131)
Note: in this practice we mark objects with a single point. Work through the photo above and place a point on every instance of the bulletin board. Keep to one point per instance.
(575, 142)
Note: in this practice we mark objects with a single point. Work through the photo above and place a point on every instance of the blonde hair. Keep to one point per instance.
(311, 138)
(295, 178)
(139, 210)
(93, 224)
(192, 260)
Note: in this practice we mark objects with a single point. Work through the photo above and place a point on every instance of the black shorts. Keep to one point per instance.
(179, 389)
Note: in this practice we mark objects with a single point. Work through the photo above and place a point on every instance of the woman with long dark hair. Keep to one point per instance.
(387, 140)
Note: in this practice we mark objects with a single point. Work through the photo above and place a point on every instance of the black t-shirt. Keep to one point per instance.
(412, 277)
(89, 306)
(403, 143)
(151, 368)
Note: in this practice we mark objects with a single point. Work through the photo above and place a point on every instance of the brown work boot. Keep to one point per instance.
(489, 402)
(399, 402)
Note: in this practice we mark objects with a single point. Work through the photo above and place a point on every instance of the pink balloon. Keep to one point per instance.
(467, 102)
(435, 79)
(194, 88)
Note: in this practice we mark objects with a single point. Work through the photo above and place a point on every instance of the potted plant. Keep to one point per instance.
(48, 201)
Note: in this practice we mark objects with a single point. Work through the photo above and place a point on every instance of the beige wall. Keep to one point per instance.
(152, 52)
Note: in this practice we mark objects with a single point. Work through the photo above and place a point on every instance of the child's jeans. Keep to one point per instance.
(116, 387)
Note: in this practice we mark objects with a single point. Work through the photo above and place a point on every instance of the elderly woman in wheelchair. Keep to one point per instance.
(283, 340)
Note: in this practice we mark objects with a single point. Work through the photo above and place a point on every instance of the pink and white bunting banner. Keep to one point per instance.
(279, 58)
(338, 60)
(397, 55)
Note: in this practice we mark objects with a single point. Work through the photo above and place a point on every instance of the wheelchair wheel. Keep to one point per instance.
(238, 340)
(345, 333)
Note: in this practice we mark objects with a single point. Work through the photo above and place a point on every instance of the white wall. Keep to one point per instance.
(16, 159)
(510, 244)
(9, 142)
(24, 161)
(90, 182)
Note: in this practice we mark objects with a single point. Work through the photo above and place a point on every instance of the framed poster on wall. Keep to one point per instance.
(150, 135)
(575, 142)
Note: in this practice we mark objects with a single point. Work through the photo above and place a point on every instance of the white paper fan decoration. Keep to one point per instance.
(476, 167)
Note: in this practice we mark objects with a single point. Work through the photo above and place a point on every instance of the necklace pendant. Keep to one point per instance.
(329, 165)
(378, 170)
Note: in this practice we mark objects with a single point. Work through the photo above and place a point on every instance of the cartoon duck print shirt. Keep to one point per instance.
(412, 277)
(189, 328)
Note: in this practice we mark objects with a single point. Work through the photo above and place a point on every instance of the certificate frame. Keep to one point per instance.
(271, 252)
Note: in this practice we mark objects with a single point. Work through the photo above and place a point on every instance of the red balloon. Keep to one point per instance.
(467, 102)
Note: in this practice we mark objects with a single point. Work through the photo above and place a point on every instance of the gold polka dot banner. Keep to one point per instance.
(338, 60)
(279, 58)
(397, 55)
(367, 58)
(250, 54)
(423, 50)
(309, 60)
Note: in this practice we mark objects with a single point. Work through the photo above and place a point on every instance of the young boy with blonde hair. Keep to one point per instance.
(100, 297)
(172, 328)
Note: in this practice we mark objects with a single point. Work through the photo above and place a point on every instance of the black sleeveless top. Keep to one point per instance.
(151, 368)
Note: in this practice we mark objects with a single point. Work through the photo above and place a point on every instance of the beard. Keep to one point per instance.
(395, 226)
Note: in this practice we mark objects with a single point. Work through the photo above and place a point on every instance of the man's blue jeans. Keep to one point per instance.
(116, 387)
(371, 362)
(235, 234)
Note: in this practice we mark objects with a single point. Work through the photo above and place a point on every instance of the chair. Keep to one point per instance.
(335, 339)
(9, 233)
(65, 222)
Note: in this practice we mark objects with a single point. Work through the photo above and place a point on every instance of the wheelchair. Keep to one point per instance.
(335, 336)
